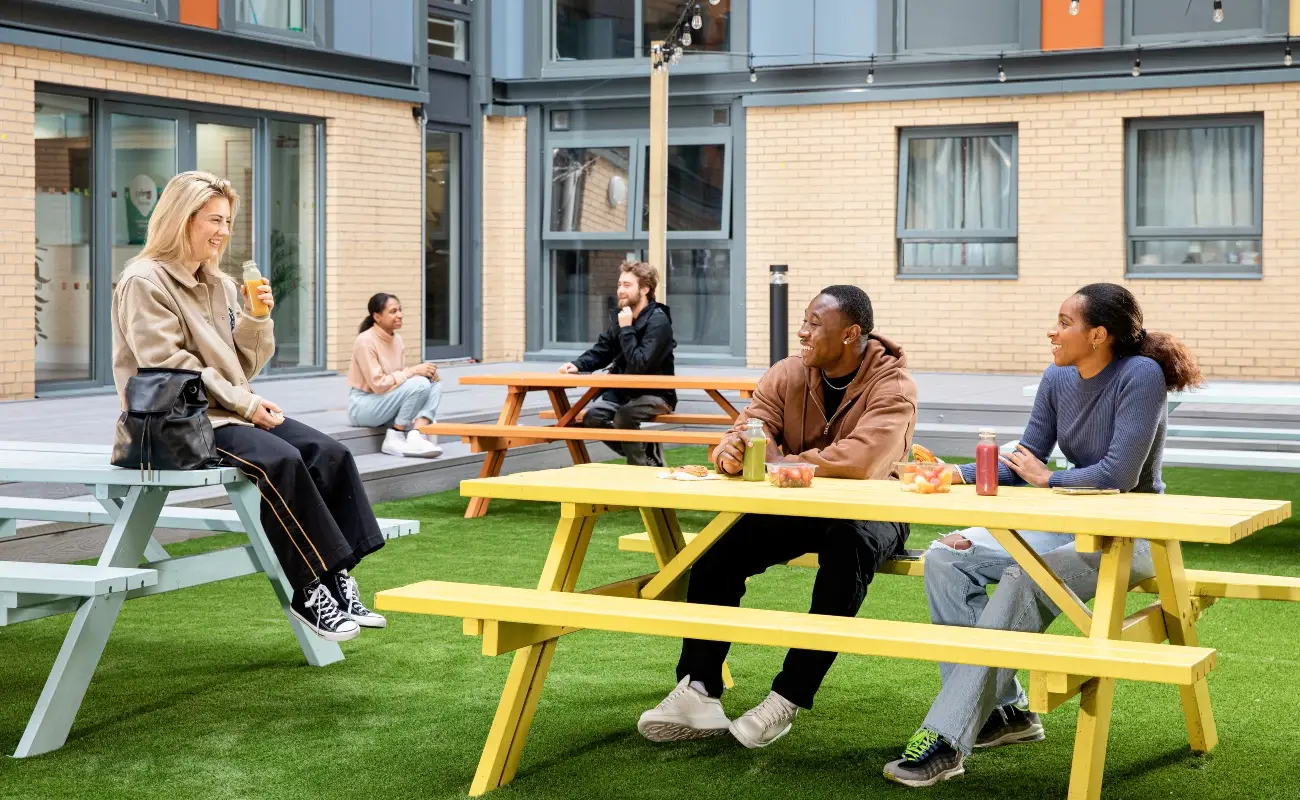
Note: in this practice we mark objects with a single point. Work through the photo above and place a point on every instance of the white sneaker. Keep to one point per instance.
(765, 722)
(683, 715)
(422, 446)
(395, 443)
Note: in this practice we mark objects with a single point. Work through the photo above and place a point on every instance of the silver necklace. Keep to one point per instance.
(838, 388)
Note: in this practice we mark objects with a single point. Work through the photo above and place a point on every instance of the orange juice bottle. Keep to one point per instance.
(252, 281)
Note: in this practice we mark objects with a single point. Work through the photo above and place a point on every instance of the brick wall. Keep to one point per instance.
(822, 189)
(372, 180)
(504, 216)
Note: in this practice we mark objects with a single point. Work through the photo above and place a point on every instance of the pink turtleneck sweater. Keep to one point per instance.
(377, 358)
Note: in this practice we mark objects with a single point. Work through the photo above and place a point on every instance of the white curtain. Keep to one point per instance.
(1195, 178)
(961, 185)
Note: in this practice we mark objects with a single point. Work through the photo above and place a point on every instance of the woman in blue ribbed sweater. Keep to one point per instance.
(1103, 402)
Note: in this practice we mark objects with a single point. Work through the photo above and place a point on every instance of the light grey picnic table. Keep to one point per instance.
(133, 503)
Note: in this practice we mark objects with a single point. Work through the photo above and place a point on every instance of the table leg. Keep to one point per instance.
(723, 403)
(495, 459)
(505, 744)
(247, 501)
(153, 551)
(1180, 622)
(1098, 696)
(75, 665)
(564, 416)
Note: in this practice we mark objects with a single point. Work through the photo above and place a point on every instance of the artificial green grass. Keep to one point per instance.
(204, 693)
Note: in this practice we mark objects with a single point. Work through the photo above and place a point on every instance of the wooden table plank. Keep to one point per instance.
(555, 380)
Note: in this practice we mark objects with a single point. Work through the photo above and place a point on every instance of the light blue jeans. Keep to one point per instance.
(954, 586)
(417, 397)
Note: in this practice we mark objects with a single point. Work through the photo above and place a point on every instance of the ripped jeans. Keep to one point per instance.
(954, 586)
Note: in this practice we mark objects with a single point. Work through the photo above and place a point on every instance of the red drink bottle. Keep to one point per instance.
(986, 463)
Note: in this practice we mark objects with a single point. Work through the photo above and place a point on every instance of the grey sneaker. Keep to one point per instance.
(1010, 725)
(683, 715)
(765, 722)
(927, 760)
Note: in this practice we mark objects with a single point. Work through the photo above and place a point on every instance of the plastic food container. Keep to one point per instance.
(923, 478)
(791, 474)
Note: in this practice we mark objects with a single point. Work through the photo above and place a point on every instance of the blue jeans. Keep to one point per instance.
(417, 397)
(970, 693)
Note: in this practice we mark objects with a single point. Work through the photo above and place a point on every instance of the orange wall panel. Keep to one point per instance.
(1064, 32)
(201, 13)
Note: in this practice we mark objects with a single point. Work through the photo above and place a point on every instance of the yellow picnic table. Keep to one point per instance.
(1116, 647)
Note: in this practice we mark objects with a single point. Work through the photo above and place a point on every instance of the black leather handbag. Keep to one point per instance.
(165, 424)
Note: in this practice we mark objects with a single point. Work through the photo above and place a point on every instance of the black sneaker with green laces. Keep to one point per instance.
(1010, 725)
(927, 760)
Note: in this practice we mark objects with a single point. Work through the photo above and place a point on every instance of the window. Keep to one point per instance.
(447, 37)
(957, 202)
(292, 165)
(589, 189)
(1194, 192)
(589, 30)
(697, 187)
(285, 15)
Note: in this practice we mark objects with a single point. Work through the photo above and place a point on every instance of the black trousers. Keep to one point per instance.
(849, 554)
(314, 507)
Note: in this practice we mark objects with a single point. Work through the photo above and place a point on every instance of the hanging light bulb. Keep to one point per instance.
(714, 2)
(1074, 8)
(686, 38)
(871, 71)
(1002, 73)
(1137, 64)
(1286, 57)
(697, 22)
(1218, 10)
(753, 76)
(676, 57)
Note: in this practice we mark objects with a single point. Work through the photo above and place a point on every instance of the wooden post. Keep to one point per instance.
(658, 171)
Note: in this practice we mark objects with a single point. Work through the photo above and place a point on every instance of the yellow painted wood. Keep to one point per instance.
(518, 704)
(1180, 620)
(500, 638)
(888, 638)
(1152, 516)
(1097, 699)
(640, 543)
(1087, 544)
(1033, 564)
(472, 627)
(1049, 691)
(1242, 586)
(698, 546)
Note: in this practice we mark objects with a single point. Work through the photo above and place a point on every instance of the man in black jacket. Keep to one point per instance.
(639, 341)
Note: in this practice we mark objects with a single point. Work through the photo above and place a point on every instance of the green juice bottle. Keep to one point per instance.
(755, 452)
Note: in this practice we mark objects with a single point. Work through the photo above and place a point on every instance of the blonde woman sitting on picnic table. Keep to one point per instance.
(174, 308)
(1103, 401)
(384, 393)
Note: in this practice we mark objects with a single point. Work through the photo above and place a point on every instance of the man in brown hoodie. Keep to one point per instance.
(848, 405)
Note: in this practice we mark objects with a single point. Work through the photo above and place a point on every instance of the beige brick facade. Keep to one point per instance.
(822, 189)
(504, 216)
(372, 190)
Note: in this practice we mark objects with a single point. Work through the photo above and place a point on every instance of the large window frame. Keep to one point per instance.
(1135, 233)
(695, 62)
(943, 235)
(312, 19)
(634, 239)
(188, 115)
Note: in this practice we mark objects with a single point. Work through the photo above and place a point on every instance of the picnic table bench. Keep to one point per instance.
(132, 564)
(495, 440)
(1114, 647)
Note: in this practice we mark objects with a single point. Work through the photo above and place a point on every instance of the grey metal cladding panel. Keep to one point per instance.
(449, 97)
(507, 31)
(391, 37)
(845, 30)
(351, 20)
(947, 24)
(1175, 18)
(779, 36)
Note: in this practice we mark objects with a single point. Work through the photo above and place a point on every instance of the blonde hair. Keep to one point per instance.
(169, 226)
(645, 274)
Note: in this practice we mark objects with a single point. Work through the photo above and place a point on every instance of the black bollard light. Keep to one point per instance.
(778, 302)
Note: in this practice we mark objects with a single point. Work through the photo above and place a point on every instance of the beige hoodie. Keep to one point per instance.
(871, 429)
(165, 315)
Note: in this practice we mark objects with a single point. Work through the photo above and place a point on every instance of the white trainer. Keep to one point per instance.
(419, 446)
(765, 722)
(395, 443)
(683, 715)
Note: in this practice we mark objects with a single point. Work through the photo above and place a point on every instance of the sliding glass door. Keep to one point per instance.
(446, 315)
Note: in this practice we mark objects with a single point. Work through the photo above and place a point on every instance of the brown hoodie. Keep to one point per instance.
(864, 437)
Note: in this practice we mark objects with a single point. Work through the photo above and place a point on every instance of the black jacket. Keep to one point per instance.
(643, 348)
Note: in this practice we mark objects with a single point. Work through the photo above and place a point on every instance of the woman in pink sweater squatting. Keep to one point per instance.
(386, 394)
